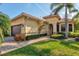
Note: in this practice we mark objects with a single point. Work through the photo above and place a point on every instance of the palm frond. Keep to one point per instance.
(52, 5)
(71, 8)
(74, 10)
(76, 16)
(56, 10)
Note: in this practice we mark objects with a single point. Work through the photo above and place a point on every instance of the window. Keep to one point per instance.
(63, 27)
(57, 27)
(70, 27)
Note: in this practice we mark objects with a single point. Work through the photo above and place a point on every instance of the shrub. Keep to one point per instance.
(76, 30)
(57, 36)
(73, 34)
(63, 33)
(35, 36)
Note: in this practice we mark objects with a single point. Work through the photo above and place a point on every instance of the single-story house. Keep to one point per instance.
(28, 24)
(57, 24)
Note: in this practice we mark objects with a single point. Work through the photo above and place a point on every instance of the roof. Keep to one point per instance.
(29, 16)
(63, 20)
(51, 16)
(26, 15)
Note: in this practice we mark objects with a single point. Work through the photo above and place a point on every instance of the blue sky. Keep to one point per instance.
(35, 9)
(14, 9)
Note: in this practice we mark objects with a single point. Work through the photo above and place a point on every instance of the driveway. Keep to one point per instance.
(13, 45)
(9, 39)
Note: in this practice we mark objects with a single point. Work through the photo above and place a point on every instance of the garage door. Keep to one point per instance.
(16, 29)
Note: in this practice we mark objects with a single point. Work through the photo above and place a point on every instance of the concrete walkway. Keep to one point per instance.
(10, 46)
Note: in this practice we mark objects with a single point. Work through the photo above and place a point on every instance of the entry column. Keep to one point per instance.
(55, 28)
(59, 27)
(73, 27)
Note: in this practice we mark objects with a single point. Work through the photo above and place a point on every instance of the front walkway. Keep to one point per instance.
(10, 46)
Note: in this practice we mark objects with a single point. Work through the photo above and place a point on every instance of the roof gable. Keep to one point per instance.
(25, 15)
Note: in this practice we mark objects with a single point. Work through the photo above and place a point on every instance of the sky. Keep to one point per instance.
(36, 9)
(14, 9)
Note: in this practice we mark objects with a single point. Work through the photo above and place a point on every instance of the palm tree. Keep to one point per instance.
(5, 27)
(76, 16)
(68, 7)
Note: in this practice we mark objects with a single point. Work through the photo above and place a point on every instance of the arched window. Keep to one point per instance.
(58, 27)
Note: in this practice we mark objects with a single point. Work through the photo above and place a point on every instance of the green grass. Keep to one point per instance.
(48, 48)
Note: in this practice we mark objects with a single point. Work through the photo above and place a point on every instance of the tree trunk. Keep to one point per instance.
(1, 36)
(66, 21)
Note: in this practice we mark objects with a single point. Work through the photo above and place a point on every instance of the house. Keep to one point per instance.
(28, 24)
(57, 24)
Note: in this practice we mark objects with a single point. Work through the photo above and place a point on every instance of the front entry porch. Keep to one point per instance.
(60, 27)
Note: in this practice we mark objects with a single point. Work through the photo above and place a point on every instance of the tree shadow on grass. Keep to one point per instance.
(71, 44)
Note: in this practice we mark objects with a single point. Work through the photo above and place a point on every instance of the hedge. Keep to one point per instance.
(57, 36)
(35, 36)
(73, 34)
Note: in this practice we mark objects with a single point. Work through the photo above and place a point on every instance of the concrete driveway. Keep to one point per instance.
(11, 45)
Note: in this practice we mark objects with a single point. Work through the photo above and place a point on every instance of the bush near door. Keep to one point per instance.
(57, 36)
(73, 34)
(35, 36)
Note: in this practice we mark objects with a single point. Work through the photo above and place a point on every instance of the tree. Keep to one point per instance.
(5, 26)
(76, 19)
(68, 7)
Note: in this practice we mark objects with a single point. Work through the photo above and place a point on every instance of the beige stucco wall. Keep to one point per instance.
(17, 21)
(44, 29)
(31, 27)
(53, 21)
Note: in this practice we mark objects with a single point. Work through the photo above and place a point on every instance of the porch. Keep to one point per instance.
(60, 27)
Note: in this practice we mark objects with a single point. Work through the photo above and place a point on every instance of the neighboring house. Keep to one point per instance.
(28, 24)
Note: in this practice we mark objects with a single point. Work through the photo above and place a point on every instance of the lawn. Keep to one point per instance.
(48, 48)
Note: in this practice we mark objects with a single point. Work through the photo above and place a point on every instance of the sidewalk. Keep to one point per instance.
(10, 46)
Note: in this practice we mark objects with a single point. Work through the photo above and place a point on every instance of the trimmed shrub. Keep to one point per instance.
(73, 34)
(76, 30)
(57, 36)
(35, 36)
(63, 33)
